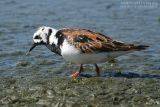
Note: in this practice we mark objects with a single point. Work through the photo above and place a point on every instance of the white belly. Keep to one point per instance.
(72, 54)
(91, 58)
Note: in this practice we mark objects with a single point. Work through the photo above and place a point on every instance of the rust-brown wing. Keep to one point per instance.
(89, 41)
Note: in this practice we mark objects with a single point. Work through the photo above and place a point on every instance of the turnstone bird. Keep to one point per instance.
(81, 46)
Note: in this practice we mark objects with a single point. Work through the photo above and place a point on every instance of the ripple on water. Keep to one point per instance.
(106, 16)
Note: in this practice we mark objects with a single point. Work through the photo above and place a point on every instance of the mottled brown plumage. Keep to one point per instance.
(89, 41)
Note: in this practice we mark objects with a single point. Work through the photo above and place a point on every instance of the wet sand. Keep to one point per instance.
(80, 92)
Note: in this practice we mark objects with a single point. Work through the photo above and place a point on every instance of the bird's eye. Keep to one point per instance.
(37, 37)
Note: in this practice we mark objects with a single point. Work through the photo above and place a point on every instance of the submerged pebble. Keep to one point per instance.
(22, 64)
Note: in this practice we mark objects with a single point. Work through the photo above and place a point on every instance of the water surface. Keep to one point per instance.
(19, 19)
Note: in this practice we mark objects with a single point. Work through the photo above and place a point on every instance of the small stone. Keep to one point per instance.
(157, 102)
(4, 101)
(42, 102)
(50, 94)
(22, 64)
(35, 88)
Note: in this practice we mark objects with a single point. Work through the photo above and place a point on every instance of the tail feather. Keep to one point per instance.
(120, 46)
(141, 47)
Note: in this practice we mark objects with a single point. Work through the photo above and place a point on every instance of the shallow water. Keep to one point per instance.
(19, 19)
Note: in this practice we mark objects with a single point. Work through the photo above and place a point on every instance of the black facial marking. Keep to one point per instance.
(82, 38)
(37, 37)
(60, 37)
(49, 32)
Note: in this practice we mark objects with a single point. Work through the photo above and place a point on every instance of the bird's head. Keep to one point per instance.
(41, 36)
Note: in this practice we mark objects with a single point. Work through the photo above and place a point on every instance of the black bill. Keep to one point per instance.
(32, 47)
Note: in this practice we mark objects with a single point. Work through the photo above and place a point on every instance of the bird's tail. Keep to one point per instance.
(140, 47)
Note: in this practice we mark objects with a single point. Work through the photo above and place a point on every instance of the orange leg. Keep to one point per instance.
(97, 70)
(74, 75)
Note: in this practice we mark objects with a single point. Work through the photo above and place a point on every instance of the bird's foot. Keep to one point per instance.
(97, 70)
(74, 75)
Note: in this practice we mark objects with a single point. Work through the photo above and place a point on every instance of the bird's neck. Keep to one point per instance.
(54, 49)
(54, 41)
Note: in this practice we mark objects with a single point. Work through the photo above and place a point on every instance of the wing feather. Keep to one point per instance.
(88, 41)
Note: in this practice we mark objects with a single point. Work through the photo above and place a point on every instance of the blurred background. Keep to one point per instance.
(133, 22)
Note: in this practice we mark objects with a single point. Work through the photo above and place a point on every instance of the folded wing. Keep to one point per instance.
(90, 42)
